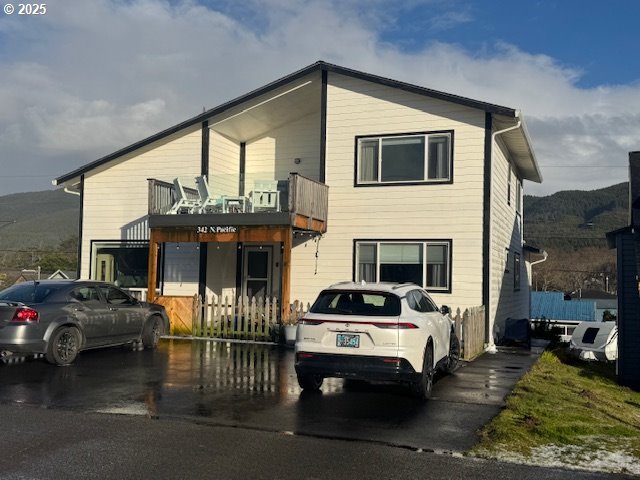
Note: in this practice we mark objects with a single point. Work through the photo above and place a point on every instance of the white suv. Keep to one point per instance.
(375, 331)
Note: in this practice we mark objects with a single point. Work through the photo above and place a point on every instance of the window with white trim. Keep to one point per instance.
(404, 158)
(425, 263)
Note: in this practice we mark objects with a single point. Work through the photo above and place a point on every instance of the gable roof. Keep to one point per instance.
(315, 67)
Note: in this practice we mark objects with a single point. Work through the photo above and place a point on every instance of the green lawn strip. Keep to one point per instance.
(563, 401)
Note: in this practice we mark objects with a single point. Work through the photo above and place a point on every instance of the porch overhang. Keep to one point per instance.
(238, 221)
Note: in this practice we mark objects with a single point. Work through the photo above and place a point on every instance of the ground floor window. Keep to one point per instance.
(423, 262)
(123, 263)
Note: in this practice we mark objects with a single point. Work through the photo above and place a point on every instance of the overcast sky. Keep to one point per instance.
(90, 77)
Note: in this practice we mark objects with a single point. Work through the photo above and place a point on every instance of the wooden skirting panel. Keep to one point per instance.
(180, 312)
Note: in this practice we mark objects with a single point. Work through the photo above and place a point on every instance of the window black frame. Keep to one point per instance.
(448, 241)
(447, 181)
(142, 243)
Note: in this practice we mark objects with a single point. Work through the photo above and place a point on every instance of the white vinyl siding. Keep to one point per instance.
(357, 109)
(224, 165)
(116, 195)
(506, 236)
(272, 156)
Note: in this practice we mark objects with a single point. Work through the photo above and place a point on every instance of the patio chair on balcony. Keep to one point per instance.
(184, 202)
(208, 203)
(265, 196)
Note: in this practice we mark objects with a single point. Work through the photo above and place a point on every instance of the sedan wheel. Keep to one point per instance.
(153, 330)
(422, 387)
(64, 346)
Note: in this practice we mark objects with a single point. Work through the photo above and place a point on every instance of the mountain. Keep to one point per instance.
(573, 219)
(42, 220)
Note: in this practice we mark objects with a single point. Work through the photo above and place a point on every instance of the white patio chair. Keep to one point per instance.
(184, 203)
(265, 195)
(208, 203)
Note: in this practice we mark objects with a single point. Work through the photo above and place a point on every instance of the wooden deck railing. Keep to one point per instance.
(308, 197)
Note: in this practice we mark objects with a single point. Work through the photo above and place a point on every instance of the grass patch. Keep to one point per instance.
(563, 401)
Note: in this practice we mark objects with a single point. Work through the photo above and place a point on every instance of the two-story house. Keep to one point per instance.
(327, 174)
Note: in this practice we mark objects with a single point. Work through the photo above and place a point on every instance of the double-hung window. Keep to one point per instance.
(426, 263)
(423, 157)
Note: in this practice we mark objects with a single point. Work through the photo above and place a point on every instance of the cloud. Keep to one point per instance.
(91, 77)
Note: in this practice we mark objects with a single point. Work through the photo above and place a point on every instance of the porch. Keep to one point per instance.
(241, 253)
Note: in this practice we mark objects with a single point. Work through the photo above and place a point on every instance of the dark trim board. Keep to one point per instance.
(242, 167)
(318, 66)
(202, 270)
(323, 126)
(239, 267)
(80, 227)
(204, 155)
(486, 224)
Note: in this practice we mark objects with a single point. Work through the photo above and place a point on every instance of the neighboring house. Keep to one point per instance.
(604, 301)
(62, 275)
(393, 182)
(627, 242)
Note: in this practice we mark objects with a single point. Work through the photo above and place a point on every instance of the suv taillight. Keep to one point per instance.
(25, 315)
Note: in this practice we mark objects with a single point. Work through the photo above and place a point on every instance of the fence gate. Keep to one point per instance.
(242, 318)
(469, 326)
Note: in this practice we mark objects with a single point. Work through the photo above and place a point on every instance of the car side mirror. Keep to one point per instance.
(445, 310)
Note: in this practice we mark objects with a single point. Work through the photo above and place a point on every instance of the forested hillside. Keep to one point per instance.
(571, 226)
(38, 229)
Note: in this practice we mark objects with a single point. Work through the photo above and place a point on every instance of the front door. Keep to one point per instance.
(257, 271)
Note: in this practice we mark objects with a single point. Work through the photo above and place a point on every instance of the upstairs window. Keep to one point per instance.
(404, 158)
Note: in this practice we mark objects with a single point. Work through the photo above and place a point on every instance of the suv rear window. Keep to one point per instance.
(343, 302)
(29, 292)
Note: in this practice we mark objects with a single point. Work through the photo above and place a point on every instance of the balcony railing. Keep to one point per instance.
(222, 194)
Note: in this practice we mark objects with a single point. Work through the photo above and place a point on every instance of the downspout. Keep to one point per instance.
(72, 192)
(544, 254)
(491, 347)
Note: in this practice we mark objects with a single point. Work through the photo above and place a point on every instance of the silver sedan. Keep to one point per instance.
(60, 318)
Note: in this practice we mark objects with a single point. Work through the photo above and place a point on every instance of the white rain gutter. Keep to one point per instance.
(491, 347)
(72, 192)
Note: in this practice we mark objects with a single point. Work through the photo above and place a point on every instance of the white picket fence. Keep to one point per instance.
(229, 317)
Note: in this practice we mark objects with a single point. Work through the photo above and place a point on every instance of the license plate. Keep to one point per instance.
(349, 341)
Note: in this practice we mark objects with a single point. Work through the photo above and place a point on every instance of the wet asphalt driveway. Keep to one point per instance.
(254, 386)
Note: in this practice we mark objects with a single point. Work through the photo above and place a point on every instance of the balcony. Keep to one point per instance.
(297, 201)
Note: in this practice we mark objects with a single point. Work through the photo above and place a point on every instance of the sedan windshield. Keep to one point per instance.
(342, 302)
(29, 292)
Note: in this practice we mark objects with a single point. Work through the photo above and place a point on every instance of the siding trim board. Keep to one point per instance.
(323, 127)
(318, 66)
(80, 225)
(204, 162)
(242, 167)
(486, 224)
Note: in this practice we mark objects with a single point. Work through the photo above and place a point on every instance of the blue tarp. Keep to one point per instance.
(553, 306)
